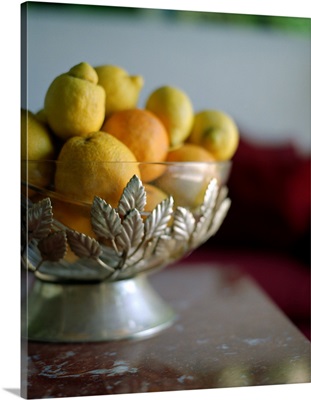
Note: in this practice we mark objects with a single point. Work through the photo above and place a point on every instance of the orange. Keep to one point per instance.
(76, 216)
(189, 152)
(73, 216)
(144, 134)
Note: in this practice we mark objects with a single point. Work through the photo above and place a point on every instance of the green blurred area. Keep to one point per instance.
(295, 25)
(292, 24)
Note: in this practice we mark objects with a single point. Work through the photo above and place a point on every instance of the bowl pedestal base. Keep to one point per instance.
(90, 312)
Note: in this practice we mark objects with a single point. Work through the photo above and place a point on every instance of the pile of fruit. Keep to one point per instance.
(90, 121)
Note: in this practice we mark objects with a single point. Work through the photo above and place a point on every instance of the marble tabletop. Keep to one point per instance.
(228, 334)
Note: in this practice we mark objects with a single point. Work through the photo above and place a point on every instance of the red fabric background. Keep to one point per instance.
(267, 230)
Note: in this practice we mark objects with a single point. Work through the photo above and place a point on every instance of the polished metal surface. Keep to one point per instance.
(99, 311)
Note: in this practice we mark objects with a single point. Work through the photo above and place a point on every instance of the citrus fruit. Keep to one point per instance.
(154, 196)
(186, 183)
(40, 115)
(188, 152)
(174, 108)
(37, 144)
(74, 103)
(122, 90)
(73, 216)
(76, 217)
(95, 165)
(144, 134)
(37, 141)
(217, 132)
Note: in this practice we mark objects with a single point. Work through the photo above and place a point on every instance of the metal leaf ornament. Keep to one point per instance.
(133, 196)
(127, 242)
(54, 246)
(40, 218)
(183, 225)
(51, 244)
(83, 245)
(86, 247)
(131, 232)
(106, 222)
(157, 221)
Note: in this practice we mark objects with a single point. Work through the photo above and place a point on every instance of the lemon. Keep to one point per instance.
(122, 90)
(74, 103)
(40, 115)
(95, 165)
(37, 144)
(154, 196)
(36, 139)
(217, 132)
(174, 108)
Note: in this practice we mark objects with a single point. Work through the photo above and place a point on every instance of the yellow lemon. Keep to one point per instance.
(217, 132)
(74, 103)
(154, 196)
(95, 165)
(40, 115)
(122, 90)
(174, 108)
(37, 144)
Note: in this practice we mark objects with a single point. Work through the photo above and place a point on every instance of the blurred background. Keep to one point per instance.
(255, 68)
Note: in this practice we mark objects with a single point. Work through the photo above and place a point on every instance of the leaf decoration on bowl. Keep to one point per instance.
(127, 241)
(105, 220)
(132, 231)
(40, 218)
(133, 196)
(53, 246)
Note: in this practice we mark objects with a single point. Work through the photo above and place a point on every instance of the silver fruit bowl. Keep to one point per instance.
(89, 261)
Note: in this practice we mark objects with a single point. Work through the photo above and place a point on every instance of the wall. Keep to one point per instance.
(259, 76)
